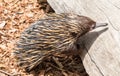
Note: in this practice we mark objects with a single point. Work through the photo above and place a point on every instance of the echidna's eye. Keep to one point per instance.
(93, 26)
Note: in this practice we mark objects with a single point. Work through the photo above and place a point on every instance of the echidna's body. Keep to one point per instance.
(53, 33)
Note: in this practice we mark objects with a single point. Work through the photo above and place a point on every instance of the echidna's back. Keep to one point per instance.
(52, 34)
(41, 38)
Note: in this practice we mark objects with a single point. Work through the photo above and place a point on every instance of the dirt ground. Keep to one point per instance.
(15, 16)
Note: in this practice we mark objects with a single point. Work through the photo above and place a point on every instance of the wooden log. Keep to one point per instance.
(101, 55)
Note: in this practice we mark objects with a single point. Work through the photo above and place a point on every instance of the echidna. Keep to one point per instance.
(55, 33)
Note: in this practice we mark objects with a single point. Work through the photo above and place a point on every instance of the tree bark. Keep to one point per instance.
(101, 54)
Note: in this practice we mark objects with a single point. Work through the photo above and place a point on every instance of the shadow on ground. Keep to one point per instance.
(87, 41)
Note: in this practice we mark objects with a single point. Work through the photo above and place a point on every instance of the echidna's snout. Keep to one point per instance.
(99, 25)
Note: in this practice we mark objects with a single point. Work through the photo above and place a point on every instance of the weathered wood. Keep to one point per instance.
(102, 54)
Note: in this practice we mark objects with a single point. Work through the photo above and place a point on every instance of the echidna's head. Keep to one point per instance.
(86, 24)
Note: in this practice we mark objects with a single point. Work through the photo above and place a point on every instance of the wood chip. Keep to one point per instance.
(2, 24)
